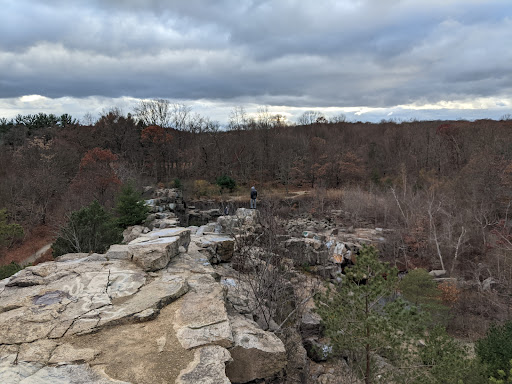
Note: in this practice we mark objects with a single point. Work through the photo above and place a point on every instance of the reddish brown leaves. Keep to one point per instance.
(156, 135)
(449, 293)
(97, 156)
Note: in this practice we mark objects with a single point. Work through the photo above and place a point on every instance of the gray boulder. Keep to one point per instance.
(218, 248)
(306, 251)
(183, 235)
(437, 273)
(208, 367)
(256, 354)
(132, 233)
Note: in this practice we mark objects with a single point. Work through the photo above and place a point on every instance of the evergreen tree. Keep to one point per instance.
(226, 182)
(364, 316)
(131, 208)
(9, 270)
(420, 289)
(90, 229)
(8, 231)
(495, 349)
(448, 361)
(502, 377)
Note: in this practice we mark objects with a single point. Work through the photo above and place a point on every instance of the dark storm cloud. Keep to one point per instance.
(375, 53)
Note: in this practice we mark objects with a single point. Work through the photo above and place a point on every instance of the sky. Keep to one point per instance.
(368, 59)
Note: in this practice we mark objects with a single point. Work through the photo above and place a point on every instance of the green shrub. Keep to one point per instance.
(131, 208)
(495, 349)
(420, 289)
(176, 183)
(226, 182)
(8, 231)
(448, 360)
(306, 267)
(502, 377)
(9, 270)
(90, 229)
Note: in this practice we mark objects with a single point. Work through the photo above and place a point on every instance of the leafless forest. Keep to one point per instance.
(444, 187)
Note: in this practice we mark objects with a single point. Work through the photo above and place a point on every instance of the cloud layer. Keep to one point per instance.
(351, 53)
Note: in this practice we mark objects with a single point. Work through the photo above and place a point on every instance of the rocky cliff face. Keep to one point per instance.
(149, 311)
(169, 305)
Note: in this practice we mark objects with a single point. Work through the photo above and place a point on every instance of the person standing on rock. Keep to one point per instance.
(254, 194)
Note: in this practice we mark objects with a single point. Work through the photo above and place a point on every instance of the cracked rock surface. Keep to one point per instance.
(151, 311)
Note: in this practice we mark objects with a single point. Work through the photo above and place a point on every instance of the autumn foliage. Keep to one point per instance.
(442, 187)
(449, 293)
(156, 135)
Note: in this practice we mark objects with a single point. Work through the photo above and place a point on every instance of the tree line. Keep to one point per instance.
(444, 186)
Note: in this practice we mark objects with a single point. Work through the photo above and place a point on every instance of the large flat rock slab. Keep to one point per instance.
(151, 311)
(150, 298)
(183, 235)
(52, 300)
(142, 353)
(12, 372)
(202, 319)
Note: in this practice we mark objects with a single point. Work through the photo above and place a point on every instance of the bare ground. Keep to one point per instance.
(39, 238)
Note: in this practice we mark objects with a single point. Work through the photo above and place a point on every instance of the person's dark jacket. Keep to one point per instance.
(254, 193)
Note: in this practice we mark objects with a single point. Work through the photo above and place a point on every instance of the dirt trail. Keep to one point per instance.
(33, 247)
(36, 255)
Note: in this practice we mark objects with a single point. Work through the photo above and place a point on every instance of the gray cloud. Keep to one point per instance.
(373, 53)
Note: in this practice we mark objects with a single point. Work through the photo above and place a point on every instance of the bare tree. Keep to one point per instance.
(279, 120)
(180, 116)
(88, 119)
(165, 114)
(265, 274)
(339, 118)
(311, 117)
(264, 118)
(238, 119)
(154, 112)
(200, 124)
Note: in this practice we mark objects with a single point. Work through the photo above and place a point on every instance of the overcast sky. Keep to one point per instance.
(370, 59)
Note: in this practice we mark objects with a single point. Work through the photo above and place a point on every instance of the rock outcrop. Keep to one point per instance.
(151, 310)
(256, 354)
(174, 304)
(216, 248)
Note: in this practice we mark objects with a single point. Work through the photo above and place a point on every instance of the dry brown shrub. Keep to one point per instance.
(449, 293)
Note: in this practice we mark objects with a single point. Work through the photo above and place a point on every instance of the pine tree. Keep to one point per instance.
(8, 231)
(365, 317)
(131, 208)
(502, 376)
(448, 361)
(495, 349)
(90, 229)
(420, 289)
